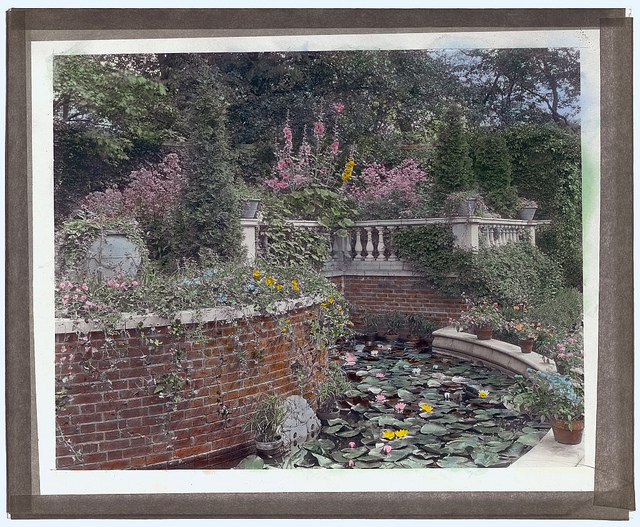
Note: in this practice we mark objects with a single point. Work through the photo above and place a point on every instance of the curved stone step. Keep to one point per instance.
(494, 353)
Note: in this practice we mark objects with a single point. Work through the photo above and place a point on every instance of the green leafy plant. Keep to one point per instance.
(482, 314)
(547, 396)
(169, 386)
(266, 418)
(470, 200)
(419, 324)
(335, 385)
(394, 321)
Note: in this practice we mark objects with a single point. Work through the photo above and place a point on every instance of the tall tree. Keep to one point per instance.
(108, 118)
(452, 167)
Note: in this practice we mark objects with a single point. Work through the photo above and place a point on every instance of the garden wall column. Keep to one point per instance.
(250, 236)
(466, 234)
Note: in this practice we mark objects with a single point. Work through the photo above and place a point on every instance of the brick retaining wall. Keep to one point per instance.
(403, 294)
(110, 415)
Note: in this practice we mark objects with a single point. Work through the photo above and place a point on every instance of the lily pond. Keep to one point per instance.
(411, 408)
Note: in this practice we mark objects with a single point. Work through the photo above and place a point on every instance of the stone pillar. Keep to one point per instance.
(466, 234)
(250, 236)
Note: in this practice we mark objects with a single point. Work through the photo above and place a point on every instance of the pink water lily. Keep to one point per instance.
(380, 398)
(352, 444)
(386, 449)
(351, 463)
(380, 375)
(400, 406)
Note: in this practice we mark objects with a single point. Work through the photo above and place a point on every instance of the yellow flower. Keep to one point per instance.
(324, 306)
(330, 299)
(426, 407)
(256, 274)
(348, 169)
(270, 280)
(402, 433)
(285, 329)
(296, 287)
(388, 434)
(279, 287)
(483, 394)
(340, 309)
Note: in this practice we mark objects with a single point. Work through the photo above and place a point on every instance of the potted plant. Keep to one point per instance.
(266, 420)
(394, 321)
(525, 331)
(370, 324)
(566, 351)
(420, 327)
(328, 392)
(464, 203)
(551, 397)
(528, 209)
(484, 317)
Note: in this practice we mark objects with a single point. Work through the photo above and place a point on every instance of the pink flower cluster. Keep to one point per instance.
(76, 293)
(120, 283)
(378, 183)
(152, 192)
(313, 159)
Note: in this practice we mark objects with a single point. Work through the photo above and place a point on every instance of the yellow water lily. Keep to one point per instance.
(256, 274)
(483, 394)
(426, 407)
(402, 433)
(388, 434)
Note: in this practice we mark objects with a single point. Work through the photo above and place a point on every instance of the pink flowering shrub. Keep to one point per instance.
(386, 191)
(153, 193)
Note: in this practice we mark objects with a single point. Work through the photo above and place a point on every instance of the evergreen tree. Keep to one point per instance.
(211, 216)
(452, 164)
(493, 171)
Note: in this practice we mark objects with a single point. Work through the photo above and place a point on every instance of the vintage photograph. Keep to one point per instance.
(258, 257)
(348, 259)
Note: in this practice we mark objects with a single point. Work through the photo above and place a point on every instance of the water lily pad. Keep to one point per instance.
(348, 433)
(515, 450)
(433, 429)
(363, 464)
(415, 462)
(319, 446)
(332, 429)
(251, 463)
(322, 460)
(506, 434)
(497, 446)
(434, 383)
(454, 462)
(360, 408)
(406, 396)
(354, 453)
(462, 445)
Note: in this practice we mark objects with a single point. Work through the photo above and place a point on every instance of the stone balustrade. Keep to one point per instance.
(370, 243)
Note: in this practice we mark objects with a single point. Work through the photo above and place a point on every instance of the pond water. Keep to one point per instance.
(410, 408)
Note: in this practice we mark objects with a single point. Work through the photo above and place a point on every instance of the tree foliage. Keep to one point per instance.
(108, 118)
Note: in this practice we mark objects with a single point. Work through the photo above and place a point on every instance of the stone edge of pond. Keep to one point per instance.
(510, 359)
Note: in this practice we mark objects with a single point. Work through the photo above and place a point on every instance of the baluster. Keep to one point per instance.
(369, 257)
(381, 246)
(348, 246)
(393, 255)
(358, 247)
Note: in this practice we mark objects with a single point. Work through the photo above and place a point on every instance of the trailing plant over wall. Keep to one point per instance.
(511, 274)
(431, 248)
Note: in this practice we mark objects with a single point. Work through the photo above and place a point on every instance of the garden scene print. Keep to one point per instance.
(318, 260)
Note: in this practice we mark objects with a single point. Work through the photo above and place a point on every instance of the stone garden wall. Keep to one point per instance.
(158, 397)
(403, 294)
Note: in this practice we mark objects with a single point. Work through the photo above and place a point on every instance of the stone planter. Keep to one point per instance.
(269, 448)
(326, 414)
(250, 208)
(527, 213)
(113, 253)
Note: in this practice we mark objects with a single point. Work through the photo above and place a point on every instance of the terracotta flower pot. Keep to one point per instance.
(325, 415)
(484, 333)
(526, 346)
(564, 435)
